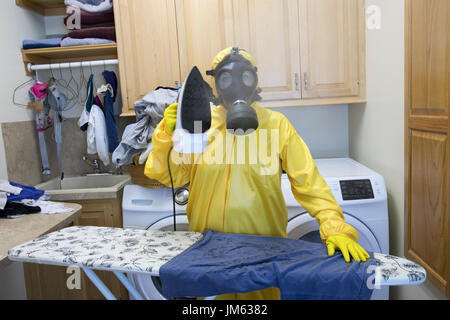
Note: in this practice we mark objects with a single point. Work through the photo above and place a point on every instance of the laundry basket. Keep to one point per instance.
(138, 177)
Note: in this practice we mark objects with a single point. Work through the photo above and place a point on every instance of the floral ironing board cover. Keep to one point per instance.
(104, 248)
(145, 251)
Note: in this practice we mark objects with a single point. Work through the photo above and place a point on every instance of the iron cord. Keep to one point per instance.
(173, 191)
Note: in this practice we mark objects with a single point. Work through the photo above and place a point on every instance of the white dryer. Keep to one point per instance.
(361, 193)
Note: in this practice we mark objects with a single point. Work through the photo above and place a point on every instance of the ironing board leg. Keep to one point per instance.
(128, 285)
(99, 284)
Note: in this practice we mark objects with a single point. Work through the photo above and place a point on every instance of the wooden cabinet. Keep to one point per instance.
(427, 143)
(269, 30)
(204, 29)
(307, 51)
(100, 213)
(147, 47)
(45, 282)
(331, 48)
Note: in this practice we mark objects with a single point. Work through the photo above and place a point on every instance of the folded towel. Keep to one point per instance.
(43, 43)
(108, 33)
(90, 5)
(88, 19)
(70, 42)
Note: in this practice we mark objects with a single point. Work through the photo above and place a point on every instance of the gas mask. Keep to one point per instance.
(236, 84)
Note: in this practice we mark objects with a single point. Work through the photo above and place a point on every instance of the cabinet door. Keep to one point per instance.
(96, 213)
(331, 50)
(269, 29)
(427, 143)
(147, 47)
(204, 29)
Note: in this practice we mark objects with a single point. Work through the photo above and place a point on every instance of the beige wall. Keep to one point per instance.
(376, 135)
(16, 24)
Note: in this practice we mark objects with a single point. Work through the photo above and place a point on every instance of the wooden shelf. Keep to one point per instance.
(69, 54)
(44, 7)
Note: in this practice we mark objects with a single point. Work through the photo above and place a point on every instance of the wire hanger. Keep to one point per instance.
(28, 84)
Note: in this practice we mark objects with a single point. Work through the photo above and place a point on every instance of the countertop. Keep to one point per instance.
(17, 231)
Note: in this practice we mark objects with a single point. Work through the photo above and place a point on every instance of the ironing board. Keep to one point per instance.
(145, 251)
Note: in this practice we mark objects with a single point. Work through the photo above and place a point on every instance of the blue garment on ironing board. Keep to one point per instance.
(235, 263)
(27, 192)
(111, 126)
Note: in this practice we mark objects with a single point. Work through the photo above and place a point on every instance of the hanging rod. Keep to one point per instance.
(67, 65)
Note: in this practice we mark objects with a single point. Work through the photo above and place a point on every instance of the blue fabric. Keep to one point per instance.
(111, 126)
(234, 263)
(43, 43)
(27, 192)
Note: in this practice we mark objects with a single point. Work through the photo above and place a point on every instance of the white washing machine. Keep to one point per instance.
(360, 192)
(152, 209)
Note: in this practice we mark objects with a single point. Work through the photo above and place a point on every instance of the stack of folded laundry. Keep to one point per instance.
(17, 200)
(95, 24)
(42, 43)
(89, 22)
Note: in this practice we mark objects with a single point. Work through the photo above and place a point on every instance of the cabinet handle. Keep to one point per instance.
(297, 82)
(305, 79)
(176, 83)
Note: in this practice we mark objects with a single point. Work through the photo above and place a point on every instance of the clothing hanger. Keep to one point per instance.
(62, 83)
(28, 84)
(74, 99)
(72, 79)
(83, 85)
(93, 79)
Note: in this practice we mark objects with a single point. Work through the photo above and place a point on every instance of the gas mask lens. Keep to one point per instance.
(249, 79)
(225, 80)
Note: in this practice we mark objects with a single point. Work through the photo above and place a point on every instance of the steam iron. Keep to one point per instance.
(193, 115)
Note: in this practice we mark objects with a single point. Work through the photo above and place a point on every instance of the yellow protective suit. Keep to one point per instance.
(235, 185)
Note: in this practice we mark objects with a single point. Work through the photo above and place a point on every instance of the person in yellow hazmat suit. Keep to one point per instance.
(235, 184)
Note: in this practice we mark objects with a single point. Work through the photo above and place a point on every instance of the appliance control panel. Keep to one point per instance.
(356, 189)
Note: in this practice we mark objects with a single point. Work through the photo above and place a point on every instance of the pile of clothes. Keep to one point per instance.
(98, 119)
(17, 200)
(90, 22)
(136, 139)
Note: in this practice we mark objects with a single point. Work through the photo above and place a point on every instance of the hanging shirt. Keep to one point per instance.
(97, 137)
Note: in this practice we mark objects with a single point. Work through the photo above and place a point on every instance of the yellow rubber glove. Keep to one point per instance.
(347, 246)
(170, 117)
